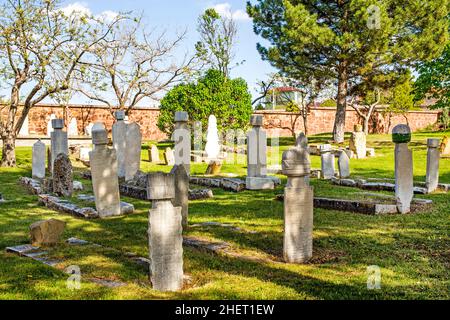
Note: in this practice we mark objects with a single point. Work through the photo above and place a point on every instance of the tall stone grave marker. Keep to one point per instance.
(298, 205)
(105, 181)
(50, 125)
(257, 157)
(38, 160)
(165, 234)
(212, 147)
(358, 142)
(72, 129)
(59, 143)
(327, 158)
(344, 165)
(24, 130)
(119, 132)
(181, 192)
(432, 179)
(62, 176)
(182, 138)
(153, 153)
(404, 187)
(133, 150)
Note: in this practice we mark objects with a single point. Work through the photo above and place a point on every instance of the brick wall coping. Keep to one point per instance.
(80, 106)
(428, 111)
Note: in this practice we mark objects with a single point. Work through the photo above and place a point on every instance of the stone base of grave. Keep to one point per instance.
(228, 184)
(214, 167)
(259, 183)
(65, 206)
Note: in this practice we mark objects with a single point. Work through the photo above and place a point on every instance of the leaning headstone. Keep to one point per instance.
(72, 128)
(445, 147)
(182, 138)
(133, 150)
(165, 234)
(119, 132)
(46, 232)
(181, 192)
(38, 160)
(404, 187)
(257, 157)
(327, 158)
(298, 206)
(153, 154)
(169, 157)
(433, 155)
(105, 181)
(212, 147)
(59, 142)
(358, 142)
(344, 165)
(62, 176)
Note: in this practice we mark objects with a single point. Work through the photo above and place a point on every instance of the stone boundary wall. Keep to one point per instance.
(320, 120)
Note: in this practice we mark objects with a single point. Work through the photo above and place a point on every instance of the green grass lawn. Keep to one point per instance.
(413, 251)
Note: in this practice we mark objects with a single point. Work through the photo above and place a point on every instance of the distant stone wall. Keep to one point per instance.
(320, 120)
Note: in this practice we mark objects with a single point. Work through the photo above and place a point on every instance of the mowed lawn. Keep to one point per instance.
(412, 251)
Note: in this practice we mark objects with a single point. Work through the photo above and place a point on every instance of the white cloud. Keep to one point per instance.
(82, 9)
(224, 9)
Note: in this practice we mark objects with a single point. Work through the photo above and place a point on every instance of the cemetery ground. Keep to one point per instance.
(413, 250)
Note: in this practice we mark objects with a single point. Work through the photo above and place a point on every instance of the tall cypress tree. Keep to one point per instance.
(348, 41)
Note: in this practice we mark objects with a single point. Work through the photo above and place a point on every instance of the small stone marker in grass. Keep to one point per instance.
(46, 232)
(432, 178)
(62, 176)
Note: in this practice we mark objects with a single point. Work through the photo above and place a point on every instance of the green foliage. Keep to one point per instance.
(402, 97)
(329, 103)
(228, 99)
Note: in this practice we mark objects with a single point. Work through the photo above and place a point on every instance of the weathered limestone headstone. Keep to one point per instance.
(46, 232)
(88, 129)
(133, 150)
(169, 157)
(358, 142)
(50, 125)
(445, 147)
(212, 147)
(328, 165)
(72, 128)
(105, 181)
(62, 176)
(119, 132)
(404, 187)
(153, 154)
(182, 138)
(38, 160)
(181, 192)
(432, 179)
(257, 157)
(24, 130)
(59, 142)
(298, 205)
(344, 165)
(84, 153)
(165, 234)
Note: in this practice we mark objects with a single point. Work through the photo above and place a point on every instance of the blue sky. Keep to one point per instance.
(182, 14)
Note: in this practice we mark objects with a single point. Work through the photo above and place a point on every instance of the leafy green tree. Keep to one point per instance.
(228, 99)
(434, 82)
(347, 40)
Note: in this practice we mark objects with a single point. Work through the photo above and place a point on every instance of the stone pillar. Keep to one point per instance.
(257, 156)
(344, 165)
(164, 234)
(105, 181)
(358, 142)
(182, 138)
(404, 187)
(153, 153)
(38, 160)
(59, 142)
(298, 206)
(433, 156)
(181, 192)
(119, 132)
(327, 158)
(133, 150)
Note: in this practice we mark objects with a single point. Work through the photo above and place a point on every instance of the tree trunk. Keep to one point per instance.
(366, 125)
(8, 150)
(339, 121)
(305, 124)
